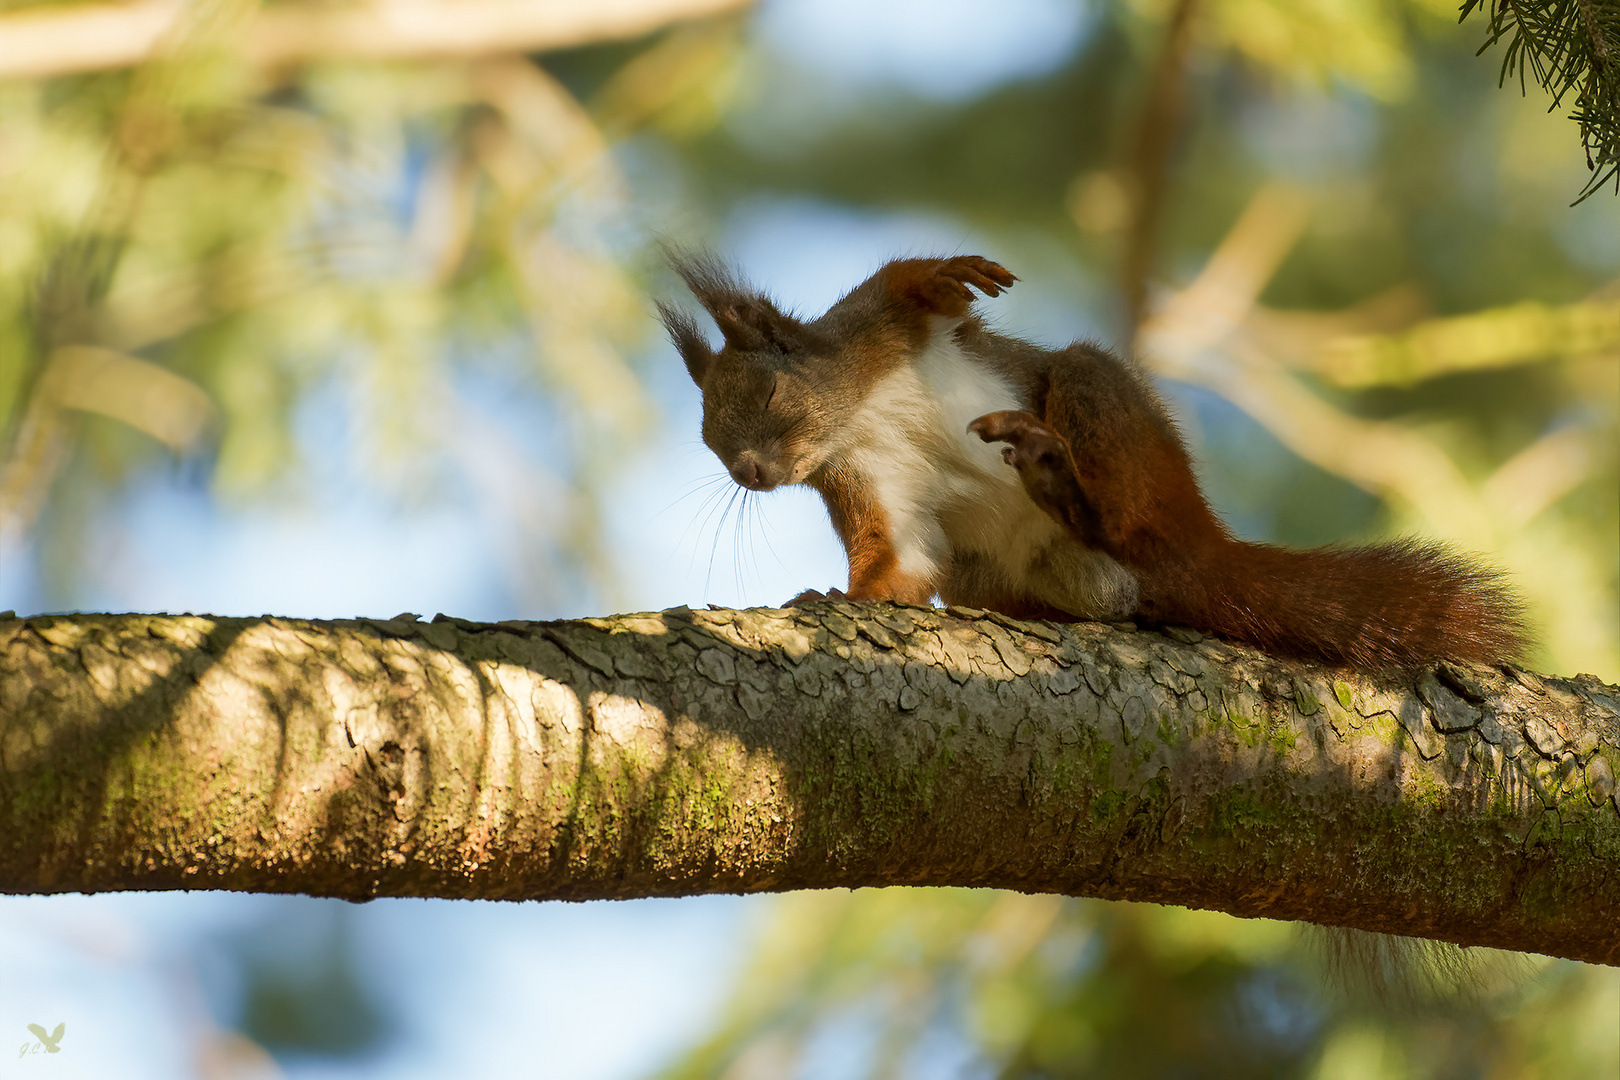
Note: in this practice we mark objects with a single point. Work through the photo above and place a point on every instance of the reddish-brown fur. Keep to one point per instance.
(1127, 487)
(916, 288)
(1096, 451)
(863, 528)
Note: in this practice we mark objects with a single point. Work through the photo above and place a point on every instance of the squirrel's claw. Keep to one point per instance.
(944, 286)
(988, 277)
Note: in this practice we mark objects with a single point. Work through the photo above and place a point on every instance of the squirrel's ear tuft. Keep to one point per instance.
(754, 323)
(683, 331)
(748, 320)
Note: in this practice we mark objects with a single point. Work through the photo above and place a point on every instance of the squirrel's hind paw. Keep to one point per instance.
(1044, 463)
(1012, 426)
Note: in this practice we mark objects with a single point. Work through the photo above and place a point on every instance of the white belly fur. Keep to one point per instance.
(945, 491)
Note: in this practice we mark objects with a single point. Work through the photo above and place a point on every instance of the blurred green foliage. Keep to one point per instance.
(1433, 345)
(945, 982)
(301, 991)
(263, 235)
(1370, 301)
(1436, 290)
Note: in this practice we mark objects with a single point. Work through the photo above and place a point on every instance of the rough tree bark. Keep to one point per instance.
(833, 745)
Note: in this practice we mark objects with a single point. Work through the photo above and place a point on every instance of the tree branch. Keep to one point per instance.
(1153, 142)
(834, 745)
(1568, 48)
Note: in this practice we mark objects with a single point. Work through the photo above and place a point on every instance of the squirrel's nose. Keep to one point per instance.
(753, 475)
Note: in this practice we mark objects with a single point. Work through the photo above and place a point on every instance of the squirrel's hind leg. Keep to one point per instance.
(1046, 465)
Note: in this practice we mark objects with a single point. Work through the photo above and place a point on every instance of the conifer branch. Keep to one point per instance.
(1569, 46)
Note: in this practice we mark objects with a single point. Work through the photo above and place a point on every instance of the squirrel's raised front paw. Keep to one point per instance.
(988, 277)
(945, 286)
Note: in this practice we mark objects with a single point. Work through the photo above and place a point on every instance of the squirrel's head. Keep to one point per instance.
(766, 414)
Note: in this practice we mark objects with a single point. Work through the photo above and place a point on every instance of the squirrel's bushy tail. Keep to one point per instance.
(1398, 604)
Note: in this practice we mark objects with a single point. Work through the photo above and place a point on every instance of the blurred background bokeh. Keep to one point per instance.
(330, 309)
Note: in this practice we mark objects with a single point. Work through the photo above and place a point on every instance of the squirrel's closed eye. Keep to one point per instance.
(776, 382)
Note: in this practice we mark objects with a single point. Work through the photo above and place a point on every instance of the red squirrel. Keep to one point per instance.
(885, 406)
